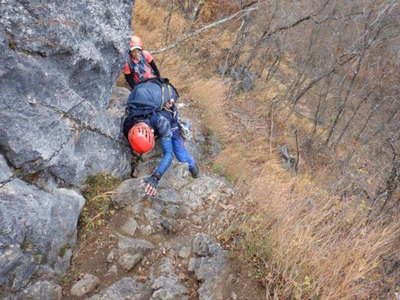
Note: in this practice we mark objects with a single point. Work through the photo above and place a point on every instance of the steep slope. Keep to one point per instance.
(298, 223)
(157, 247)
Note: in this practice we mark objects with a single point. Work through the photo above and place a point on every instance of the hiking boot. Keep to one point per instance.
(195, 172)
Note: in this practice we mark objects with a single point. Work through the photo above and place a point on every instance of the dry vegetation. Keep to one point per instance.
(325, 85)
(98, 207)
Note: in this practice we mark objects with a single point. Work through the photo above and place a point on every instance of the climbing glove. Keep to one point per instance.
(186, 133)
(151, 185)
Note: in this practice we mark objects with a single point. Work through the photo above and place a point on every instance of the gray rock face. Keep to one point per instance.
(126, 288)
(41, 290)
(5, 172)
(38, 229)
(58, 63)
(87, 153)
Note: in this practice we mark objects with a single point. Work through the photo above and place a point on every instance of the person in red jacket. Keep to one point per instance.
(141, 65)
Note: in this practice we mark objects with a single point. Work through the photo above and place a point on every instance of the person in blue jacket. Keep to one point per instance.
(152, 114)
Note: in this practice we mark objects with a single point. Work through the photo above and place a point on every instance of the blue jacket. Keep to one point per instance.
(146, 103)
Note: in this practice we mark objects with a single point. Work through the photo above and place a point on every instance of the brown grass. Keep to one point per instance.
(98, 206)
(304, 242)
(321, 247)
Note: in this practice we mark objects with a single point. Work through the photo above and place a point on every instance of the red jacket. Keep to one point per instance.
(140, 68)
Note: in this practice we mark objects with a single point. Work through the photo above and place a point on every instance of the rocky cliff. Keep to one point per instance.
(58, 63)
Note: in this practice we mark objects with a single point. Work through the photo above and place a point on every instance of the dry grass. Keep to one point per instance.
(304, 242)
(98, 206)
(320, 247)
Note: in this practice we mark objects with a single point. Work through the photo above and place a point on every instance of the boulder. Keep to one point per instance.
(129, 227)
(127, 261)
(85, 285)
(38, 230)
(126, 288)
(133, 246)
(168, 288)
(202, 245)
(211, 268)
(166, 284)
(40, 290)
(129, 192)
(207, 187)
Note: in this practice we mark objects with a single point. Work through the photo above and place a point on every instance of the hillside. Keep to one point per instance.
(318, 220)
(296, 127)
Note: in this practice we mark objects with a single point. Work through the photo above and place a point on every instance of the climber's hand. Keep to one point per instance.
(170, 103)
(151, 183)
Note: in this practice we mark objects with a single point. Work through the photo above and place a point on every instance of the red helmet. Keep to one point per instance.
(141, 138)
(136, 43)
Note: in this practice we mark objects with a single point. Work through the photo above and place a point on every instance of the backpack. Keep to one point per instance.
(168, 91)
(150, 96)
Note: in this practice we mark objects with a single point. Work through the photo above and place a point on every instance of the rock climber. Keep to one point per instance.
(141, 65)
(152, 112)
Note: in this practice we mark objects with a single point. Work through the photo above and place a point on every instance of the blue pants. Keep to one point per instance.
(173, 146)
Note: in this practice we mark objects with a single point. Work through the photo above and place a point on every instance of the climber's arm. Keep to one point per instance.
(163, 128)
(129, 79)
(155, 69)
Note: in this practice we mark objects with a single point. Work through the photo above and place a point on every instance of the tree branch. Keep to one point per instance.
(204, 28)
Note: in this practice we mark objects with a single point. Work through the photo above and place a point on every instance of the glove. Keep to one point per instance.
(151, 185)
(185, 130)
